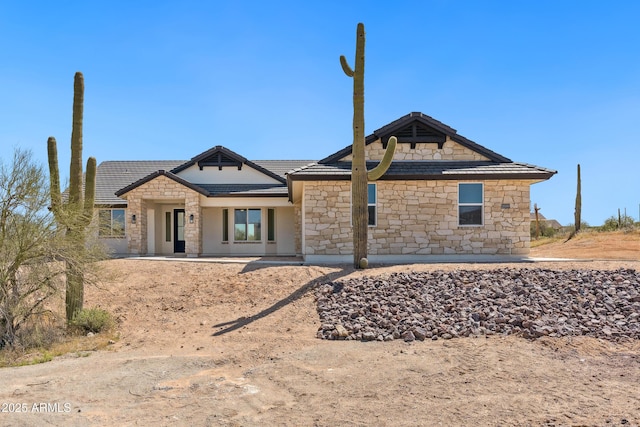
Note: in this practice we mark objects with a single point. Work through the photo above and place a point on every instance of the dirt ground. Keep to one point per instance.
(617, 245)
(229, 344)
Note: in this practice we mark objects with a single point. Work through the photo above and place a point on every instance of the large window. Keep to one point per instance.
(470, 203)
(111, 222)
(372, 199)
(247, 225)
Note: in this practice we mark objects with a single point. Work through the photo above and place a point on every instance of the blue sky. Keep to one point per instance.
(552, 83)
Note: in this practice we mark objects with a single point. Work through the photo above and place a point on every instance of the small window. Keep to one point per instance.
(225, 225)
(470, 204)
(167, 226)
(247, 225)
(111, 222)
(271, 225)
(372, 199)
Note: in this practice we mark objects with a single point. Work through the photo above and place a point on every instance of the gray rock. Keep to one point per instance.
(528, 302)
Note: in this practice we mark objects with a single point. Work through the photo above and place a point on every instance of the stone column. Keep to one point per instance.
(136, 232)
(193, 230)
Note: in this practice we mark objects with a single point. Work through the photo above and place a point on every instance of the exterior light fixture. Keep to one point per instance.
(133, 219)
(191, 219)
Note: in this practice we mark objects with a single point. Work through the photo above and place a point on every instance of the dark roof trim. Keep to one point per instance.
(156, 174)
(432, 177)
(386, 131)
(110, 206)
(252, 195)
(194, 187)
(438, 171)
(230, 154)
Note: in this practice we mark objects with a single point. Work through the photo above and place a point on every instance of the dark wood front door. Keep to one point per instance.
(178, 230)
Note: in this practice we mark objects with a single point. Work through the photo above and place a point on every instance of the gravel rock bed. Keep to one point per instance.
(447, 304)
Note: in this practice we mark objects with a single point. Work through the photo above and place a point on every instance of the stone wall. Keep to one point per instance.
(419, 218)
(451, 150)
(164, 189)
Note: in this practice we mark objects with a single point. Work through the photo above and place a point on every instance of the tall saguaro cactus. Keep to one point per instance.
(74, 213)
(578, 211)
(359, 174)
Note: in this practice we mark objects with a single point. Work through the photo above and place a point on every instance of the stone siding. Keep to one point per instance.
(451, 150)
(419, 218)
(163, 188)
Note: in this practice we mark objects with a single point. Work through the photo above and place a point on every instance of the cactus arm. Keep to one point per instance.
(384, 164)
(89, 189)
(345, 66)
(75, 169)
(54, 176)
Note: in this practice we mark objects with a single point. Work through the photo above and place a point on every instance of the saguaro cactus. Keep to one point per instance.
(359, 174)
(74, 213)
(578, 211)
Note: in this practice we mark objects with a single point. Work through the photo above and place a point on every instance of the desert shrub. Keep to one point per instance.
(40, 332)
(584, 226)
(613, 223)
(545, 230)
(93, 320)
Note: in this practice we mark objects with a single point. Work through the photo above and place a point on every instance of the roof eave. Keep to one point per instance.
(539, 176)
(156, 174)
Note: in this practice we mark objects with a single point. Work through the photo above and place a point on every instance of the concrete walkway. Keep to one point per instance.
(300, 261)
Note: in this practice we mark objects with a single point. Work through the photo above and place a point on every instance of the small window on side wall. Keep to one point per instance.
(372, 202)
(470, 204)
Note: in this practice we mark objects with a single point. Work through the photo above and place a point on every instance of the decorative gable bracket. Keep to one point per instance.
(220, 160)
(416, 133)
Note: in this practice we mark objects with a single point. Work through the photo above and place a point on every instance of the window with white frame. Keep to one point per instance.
(372, 200)
(247, 225)
(470, 203)
(111, 223)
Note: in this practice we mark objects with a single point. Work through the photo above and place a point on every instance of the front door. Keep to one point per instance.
(178, 230)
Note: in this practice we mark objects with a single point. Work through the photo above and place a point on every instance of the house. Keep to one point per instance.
(444, 195)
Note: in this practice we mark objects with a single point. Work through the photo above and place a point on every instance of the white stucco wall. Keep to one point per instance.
(227, 175)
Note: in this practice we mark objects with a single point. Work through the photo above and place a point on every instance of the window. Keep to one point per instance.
(225, 225)
(371, 204)
(271, 225)
(111, 223)
(247, 225)
(167, 226)
(372, 197)
(470, 197)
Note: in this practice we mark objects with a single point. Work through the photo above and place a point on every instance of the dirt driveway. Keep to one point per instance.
(234, 345)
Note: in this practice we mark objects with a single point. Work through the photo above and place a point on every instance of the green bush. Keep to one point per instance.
(93, 320)
(545, 230)
(613, 223)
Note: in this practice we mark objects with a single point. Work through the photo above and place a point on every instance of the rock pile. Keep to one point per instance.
(528, 302)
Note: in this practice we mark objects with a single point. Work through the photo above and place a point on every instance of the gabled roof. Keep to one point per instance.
(156, 174)
(114, 175)
(418, 128)
(213, 190)
(220, 157)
